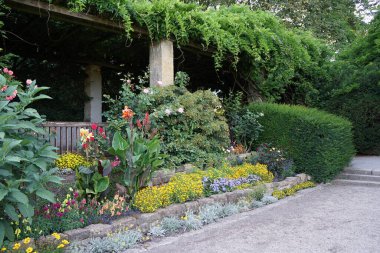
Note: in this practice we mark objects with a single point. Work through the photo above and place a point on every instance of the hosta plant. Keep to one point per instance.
(25, 158)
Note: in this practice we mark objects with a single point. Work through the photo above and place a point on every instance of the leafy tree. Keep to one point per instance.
(353, 89)
(336, 21)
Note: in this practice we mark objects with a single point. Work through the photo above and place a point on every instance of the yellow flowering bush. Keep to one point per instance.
(186, 187)
(71, 161)
(247, 169)
(280, 194)
(148, 199)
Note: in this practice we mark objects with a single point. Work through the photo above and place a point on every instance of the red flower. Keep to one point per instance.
(76, 194)
(139, 125)
(59, 214)
(94, 126)
(81, 220)
(146, 120)
(84, 145)
(101, 130)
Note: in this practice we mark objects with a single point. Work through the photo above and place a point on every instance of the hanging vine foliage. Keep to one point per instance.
(266, 54)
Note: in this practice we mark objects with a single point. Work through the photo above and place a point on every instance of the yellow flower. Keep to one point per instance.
(65, 242)
(29, 250)
(60, 246)
(56, 236)
(3, 249)
(16, 246)
(26, 240)
(17, 232)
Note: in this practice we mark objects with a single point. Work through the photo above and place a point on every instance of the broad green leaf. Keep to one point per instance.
(3, 193)
(9, 234)
(5, 173)
(15, 159)
(102, 184)
(3, 80)
(11, 212)
(45, 194)
(118, 142)
(26, 210)
(19, 196)
(3, 104)
(2, 232)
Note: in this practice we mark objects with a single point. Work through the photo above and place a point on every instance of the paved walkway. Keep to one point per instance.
(366, 163)
(328, 218)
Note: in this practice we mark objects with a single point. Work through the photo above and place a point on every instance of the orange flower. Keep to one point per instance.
(127, 113)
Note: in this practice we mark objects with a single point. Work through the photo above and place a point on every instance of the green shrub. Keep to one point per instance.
(191, 125)
(319, 143)
(26, 160)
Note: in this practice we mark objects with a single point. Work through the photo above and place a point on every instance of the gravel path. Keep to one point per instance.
(328, 218)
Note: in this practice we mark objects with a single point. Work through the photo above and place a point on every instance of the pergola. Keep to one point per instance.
(161, 57)
(161, 53)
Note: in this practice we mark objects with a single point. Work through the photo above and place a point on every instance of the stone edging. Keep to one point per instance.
(145, 220)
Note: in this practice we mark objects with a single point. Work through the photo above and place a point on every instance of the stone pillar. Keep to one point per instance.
(161, 63)
(93, 89)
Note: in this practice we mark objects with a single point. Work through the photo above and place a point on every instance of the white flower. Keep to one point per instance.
(180, 110)
(159, 83)
(261, 114)
(168, 112)
(146, 90)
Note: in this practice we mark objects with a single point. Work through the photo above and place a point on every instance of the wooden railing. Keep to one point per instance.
(65, 135)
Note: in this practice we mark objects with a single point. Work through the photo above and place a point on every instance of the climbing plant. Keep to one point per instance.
(266, 56)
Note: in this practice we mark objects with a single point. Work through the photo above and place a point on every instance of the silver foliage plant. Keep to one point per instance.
(113, 243)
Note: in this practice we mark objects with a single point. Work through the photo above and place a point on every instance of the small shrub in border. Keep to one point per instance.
(280, 194)
(319, 143)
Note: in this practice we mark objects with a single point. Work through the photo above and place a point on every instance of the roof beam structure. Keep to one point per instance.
(59, 13)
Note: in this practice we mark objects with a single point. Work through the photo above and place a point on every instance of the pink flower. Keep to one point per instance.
(59, 214)
(146, 90)
(28, 82)
(81, 220)
(56, 205)
(138, 123)
(180, 110)
(94, 126)
(128, 81)
(5, 70)
(9, 98)
(115, 163)
(83, 201)
(76, 194)
(159, 83)
(10, 72)
(4, 88)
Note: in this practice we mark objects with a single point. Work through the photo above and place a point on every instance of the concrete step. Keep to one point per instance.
(359, 177)
(355, 182)
(351, 170)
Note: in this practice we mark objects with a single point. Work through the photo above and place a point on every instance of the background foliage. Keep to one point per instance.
(353, 89)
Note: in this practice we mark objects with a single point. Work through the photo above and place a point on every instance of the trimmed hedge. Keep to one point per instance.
(319, 143)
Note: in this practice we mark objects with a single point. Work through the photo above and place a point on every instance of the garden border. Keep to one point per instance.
(145, 220)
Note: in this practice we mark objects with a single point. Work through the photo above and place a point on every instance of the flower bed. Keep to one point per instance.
(175, 218)
(185, 187)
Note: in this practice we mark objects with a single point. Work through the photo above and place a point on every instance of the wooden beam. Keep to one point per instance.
(43, 9)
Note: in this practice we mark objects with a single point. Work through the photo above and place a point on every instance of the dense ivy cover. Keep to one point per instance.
(320, 143)
(269, 56)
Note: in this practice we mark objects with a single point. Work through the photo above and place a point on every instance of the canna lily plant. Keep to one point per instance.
(139, 152)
